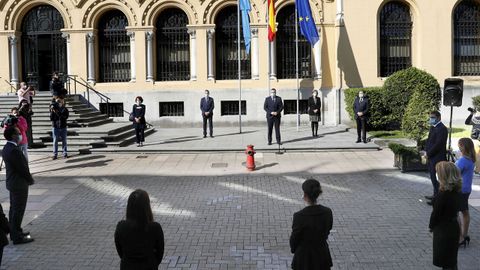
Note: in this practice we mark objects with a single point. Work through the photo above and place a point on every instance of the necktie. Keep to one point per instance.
(361, 100)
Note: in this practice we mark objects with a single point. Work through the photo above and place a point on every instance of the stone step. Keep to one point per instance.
(79, 143)
(128, 139)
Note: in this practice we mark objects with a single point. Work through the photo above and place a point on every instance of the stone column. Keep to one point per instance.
(210, 33)
(317, 52)
(149, 36)
(273, 60)
(66, 36)
(13, 39)
(193, 54)
(131, 34)
(91, 57)
(254, 52)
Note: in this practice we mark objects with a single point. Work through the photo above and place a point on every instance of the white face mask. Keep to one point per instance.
(360, 95)
(138, 102)
(206, 95)
(315, 94)
(273, 94)
(20, 138)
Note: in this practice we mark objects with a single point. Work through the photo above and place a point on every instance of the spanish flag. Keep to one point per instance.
(272, 27)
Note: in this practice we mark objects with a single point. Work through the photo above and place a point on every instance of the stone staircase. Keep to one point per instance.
(87, 127)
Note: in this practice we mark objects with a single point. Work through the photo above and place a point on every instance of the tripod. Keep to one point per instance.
(450, 155)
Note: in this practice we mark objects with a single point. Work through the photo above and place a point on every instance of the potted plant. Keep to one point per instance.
(407, 158)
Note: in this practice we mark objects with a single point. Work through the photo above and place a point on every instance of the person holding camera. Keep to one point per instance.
(25, 93)
(58, 116)
(56, 87)
(474, 120)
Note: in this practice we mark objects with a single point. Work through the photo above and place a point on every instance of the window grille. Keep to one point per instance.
(230, 107)
(286, 60)
(290, 106)
(173, 46)
(467, 39)
(395, 38)
(114, 48)
(175, 108)
(114, 109)
(226, 47)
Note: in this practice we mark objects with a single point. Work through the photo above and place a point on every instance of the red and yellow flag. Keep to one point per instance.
(272, 27)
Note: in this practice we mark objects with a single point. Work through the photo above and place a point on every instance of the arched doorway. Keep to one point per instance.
(226, 51)
(43, 47)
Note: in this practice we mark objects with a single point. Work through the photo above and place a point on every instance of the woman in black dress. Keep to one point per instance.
(139, 239)
(139, 123)
(314, 106)
(443, 221)
(310, 230)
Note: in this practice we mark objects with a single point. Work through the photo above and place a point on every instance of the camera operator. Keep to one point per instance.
(57, 88)
(25, 93)
(474, 120)
(59, 116)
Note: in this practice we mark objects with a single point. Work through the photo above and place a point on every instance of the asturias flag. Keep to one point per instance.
(305, 19)
(245, 9)
(272, 27)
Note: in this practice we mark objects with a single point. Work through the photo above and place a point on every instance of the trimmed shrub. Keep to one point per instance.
(426, 98)
(377, 118)
(476, 102)
(400, 87)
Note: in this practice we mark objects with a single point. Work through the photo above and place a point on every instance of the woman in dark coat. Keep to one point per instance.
(4, 230)
(443, 220)
(310, 230)
(314, 106)
(139, 239)
(139, 123)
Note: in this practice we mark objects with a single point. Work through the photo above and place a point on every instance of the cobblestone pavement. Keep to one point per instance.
(215, 215)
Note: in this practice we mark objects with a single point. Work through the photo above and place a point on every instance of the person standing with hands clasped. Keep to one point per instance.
(443, 220)
(314, 106)
(310, 230)
(360, 108)
(273, 106)
(206, 106)
(139, 122)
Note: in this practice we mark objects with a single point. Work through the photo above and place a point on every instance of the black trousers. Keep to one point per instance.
(18, 203)
(361, 128)
(210, 124)
(433, 176)
(140, 133)
(274, 121)
(1, 255)
(314, 128)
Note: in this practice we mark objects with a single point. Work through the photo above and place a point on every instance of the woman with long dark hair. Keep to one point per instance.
(466, 164)
(139, 239)
(310, 230)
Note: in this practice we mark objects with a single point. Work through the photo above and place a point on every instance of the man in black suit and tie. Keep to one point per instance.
(207, 105)
(18, 178)
(436, 149)
(360, 108)
(273, 106)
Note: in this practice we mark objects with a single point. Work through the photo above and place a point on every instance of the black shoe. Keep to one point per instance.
(54, 157)
(204, 136)
(269, 143)
(279, 143)
(429, 197)
(25, 234)
(430, 202)
(358, 141)
(211, 136)
(65, 156)
(23, 240)
(365, 141)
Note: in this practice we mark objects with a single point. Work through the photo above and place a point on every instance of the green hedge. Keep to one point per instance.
(377, 116)
(476, 102)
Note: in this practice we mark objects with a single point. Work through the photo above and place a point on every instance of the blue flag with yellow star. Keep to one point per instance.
(306, 22)
(245, 9)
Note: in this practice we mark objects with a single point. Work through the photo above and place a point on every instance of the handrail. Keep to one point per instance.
(11, 86)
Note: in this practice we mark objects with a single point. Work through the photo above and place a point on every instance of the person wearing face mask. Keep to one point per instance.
(310, 230)
(25, 93)
(18, 180)
(23, 127)
(57, 88)
(273, 106)
(436, 149)
(139, 123)
(59, 115)
(360, 108)
(206, 106)
(314, 106)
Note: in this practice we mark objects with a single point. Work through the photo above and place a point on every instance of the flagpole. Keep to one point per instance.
(239, 70)
(296, 67)
(268, 52)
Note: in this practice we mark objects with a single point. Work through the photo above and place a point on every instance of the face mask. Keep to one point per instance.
(206, 95)
(138, 102)
(360, 95)
(20, 138)
(315, 94)
(273, 94)
(432, 121)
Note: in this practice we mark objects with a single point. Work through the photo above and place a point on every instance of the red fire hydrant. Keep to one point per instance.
(250, 157)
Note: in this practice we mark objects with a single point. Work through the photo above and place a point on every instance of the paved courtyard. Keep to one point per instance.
(216, 215)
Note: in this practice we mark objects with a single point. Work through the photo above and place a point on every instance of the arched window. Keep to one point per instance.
(173, 46)
(114, 48)
(395, 38)
(43, 48)
(226, 47)
(466, 25)
(286, 60)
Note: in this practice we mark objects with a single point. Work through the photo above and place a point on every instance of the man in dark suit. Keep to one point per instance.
(360, 108)
(273, 106)
(18, 178)
(436, 149)
(207, 105)
(4, 230)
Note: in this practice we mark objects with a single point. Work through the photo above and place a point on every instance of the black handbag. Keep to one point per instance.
(131, 118)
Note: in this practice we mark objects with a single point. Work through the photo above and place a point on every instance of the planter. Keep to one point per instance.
(409, 163)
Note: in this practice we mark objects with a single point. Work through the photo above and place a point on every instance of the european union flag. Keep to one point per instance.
(305, 19)
(245, 9)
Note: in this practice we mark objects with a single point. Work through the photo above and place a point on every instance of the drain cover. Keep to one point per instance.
(142, 157)
(219, 165)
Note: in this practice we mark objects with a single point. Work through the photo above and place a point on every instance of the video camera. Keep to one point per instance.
(472, 110)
